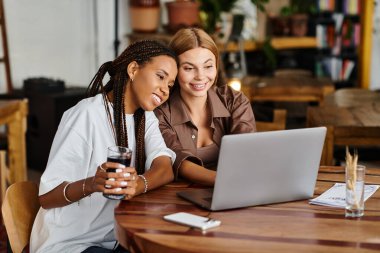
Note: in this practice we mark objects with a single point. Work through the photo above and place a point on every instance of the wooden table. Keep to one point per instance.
(286, 89)
(352, 118)
(287, 227)
(13, 114)
(351, 97)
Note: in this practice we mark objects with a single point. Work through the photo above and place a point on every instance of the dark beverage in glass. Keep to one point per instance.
(121, 155)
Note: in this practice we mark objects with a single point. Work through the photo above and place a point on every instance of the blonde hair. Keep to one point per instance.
(190, 38)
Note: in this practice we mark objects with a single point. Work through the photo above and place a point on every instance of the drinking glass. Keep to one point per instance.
(355, 191)
(118, 154)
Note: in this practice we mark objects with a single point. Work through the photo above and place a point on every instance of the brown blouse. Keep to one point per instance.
(209, 155)
(231, 113)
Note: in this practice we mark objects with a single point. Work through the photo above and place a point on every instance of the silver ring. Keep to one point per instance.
(101, 168)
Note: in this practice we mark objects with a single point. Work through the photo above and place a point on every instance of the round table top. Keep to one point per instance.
(284, 227)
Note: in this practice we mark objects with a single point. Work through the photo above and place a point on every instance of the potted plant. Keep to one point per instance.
(297, 15)
(211, 11)
(145, 15)
(270, 56)
(182, 13)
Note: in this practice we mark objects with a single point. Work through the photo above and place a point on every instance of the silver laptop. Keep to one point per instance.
(263, 168)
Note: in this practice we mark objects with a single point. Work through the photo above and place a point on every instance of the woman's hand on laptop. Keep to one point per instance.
(197, 174)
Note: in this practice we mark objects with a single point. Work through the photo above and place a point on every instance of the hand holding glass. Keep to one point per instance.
(118, 154)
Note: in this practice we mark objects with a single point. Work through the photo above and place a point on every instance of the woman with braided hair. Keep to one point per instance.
(200, 109)
(74, 216)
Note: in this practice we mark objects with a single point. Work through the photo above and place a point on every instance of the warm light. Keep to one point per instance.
(235, 84)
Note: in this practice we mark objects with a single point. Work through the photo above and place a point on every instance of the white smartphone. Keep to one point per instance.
(192, 220)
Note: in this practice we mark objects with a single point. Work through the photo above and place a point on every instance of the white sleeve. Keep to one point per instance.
(69, 156)
(154, 142)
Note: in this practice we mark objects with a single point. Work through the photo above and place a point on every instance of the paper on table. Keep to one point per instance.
(336, 195)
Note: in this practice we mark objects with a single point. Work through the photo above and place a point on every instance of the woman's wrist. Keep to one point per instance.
(144, 183)
(69, 201)
(89, 186)
(75, 191)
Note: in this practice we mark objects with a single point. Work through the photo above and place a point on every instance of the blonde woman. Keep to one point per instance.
(199, 112)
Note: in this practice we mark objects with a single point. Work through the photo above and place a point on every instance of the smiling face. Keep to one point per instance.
(151, 83)
(197, 72)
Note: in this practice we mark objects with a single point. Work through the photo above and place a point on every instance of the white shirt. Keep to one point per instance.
(79, 146)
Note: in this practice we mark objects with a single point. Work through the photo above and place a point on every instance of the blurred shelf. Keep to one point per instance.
(294, 42)
(249, 45)
(278, 43)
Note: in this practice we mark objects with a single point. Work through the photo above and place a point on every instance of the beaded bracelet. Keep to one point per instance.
(64, 192)
(145, 183)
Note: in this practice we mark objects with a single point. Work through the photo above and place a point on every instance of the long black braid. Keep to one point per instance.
(141, 52)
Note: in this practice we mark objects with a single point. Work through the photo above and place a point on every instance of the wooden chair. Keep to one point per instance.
(13, 166)
(278, 123)
(4, 173)
(20, 207)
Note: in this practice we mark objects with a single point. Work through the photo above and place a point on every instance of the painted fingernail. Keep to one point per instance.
(123, 183)
(117, 189)
(127, 174)
(107, 186)
(111, 179)
(118, 170)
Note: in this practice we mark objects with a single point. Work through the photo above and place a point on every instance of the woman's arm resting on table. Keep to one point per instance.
(196, 173)
(69, 192)
(160, 173)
